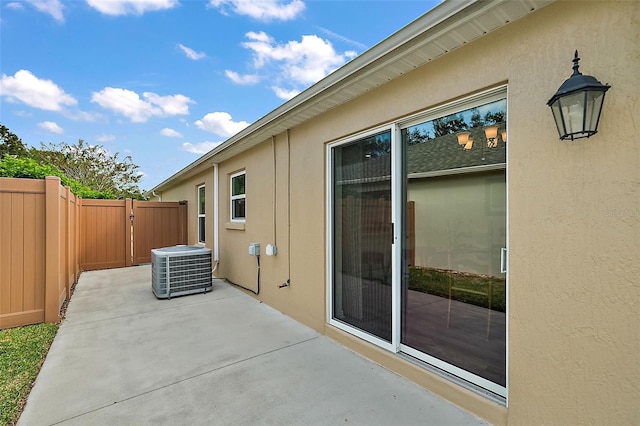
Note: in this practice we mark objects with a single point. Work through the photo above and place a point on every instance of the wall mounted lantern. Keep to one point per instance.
(577, 104)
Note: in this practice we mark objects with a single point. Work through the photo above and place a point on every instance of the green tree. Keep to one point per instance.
(93, 166)
(417, 136)
(10, 143)
(495, 117)
(449, 125)
(28, 168)
(476, 120)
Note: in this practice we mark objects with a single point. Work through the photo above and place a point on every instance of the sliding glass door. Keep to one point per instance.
(454, 291)
(437, 289)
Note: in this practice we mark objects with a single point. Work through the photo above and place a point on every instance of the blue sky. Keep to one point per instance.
(164, 81)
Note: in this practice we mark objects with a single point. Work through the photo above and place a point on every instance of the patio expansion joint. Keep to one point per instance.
(186, 379)
(70, 321)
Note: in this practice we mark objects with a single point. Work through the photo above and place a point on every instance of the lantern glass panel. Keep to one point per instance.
(557, 117)
(572, 107)
(592, 110)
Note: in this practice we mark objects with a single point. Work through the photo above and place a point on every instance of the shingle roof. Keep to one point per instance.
(433, 155)
(444, 153)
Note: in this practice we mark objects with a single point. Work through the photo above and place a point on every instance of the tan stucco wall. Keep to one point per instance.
(267, 167)
(188, 191)
(575, 225)
(573, 212)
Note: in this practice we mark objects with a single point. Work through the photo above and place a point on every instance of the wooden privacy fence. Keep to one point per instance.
(48, 236)
(38, 249)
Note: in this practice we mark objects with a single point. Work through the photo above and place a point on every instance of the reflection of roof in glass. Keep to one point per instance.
(444, 153)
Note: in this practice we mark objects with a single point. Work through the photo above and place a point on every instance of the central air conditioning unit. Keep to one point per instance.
(180, 270)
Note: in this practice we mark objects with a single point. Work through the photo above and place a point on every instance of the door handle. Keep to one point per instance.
(503, 260)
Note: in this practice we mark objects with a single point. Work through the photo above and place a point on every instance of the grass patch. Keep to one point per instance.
(22, 351)
(437, 281)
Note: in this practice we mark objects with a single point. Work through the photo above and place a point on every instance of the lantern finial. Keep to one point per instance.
(576, 65)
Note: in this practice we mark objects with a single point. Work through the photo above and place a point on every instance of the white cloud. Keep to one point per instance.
(264, 10)
(246, 79)
(191, 54)
(262, 45)
(284, 94)
(294, 65)
(105, 138)
(26, 114)
(130, 7)
(221, 124)
(52, 127)
(125, 102)
(170, 133)
(25, 87)
(50, 7)
(139, 110)
(199, 148)
(83, 116)
(14, 5)
(171, 105)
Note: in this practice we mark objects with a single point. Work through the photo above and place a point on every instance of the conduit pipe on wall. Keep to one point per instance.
(275, 192)
(216, 252)
(288, 208)
(287, 283)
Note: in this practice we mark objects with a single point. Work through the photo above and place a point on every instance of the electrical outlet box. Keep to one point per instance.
(271, 250)
(254, 249)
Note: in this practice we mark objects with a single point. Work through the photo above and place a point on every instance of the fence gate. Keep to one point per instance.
(104, 232)
(118, 233)
(157, 224)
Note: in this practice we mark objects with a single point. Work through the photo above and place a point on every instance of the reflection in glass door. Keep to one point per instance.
(454, 285)
(362, 235)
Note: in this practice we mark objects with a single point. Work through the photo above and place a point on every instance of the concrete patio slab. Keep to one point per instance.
(123, 357)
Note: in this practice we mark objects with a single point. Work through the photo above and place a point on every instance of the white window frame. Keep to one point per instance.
(201, 214)
(233, 198)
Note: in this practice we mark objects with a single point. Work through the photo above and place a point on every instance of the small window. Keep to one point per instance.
(201, 216)
(238, 196)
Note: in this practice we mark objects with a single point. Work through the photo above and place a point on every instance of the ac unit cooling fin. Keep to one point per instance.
(180, 270)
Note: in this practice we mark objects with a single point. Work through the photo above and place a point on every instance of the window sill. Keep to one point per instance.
(237, 226)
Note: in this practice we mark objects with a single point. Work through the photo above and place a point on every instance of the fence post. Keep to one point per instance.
(52, 249)
(129, 233)
(78, 249)
(82, 243)
(68, 238)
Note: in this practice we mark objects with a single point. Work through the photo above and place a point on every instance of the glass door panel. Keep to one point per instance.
(454, 303)
(363, 235)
